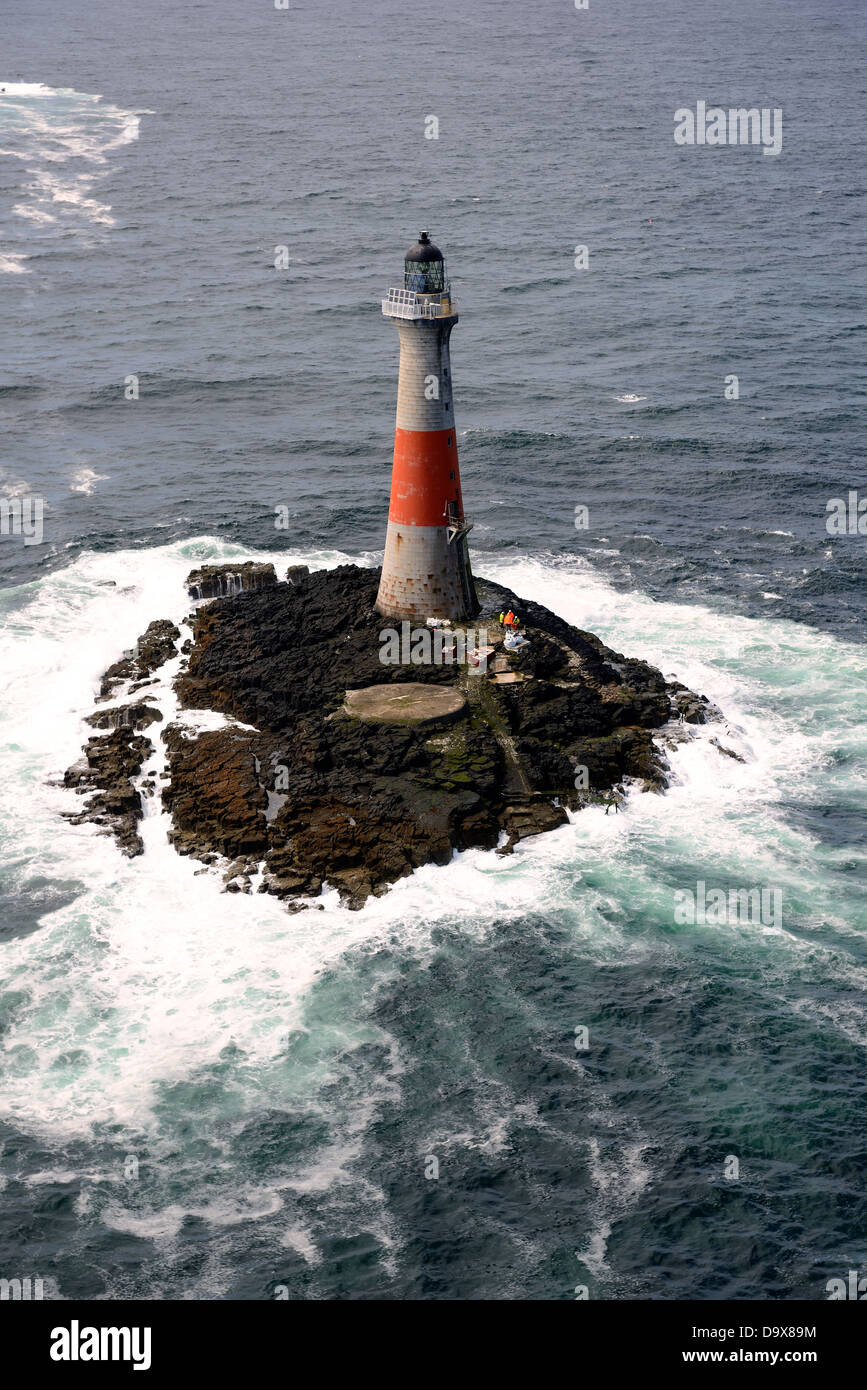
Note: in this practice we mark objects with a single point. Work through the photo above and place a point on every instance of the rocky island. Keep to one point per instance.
(319, 764)
(293, 740)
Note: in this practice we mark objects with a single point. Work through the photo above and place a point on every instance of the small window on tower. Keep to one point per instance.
(452, 476)
(449, 441)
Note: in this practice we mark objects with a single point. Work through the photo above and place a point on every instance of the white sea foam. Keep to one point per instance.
(28, 89)
(85, 479)
(619, 1182)
(143, 980)
(10, 263)
(63, 194)
(300, 1239)
(11, 486)
(33, 214)
(65, 140)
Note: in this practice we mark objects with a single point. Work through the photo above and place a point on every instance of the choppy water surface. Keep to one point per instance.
(204, 1097)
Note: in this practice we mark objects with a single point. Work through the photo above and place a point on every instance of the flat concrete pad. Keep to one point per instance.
(410, 702)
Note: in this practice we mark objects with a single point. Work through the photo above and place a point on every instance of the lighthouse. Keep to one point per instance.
(426, 571)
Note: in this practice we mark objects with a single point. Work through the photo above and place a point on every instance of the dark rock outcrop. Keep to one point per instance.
(222, 581)
(153, 649)
(106, 770)
(692, 709)
(214, 793)
(310, 794)
(138, 714)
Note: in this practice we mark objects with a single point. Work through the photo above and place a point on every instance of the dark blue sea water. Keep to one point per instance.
(205, 1098)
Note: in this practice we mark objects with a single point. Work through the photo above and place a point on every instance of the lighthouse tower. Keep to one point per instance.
(426, 572)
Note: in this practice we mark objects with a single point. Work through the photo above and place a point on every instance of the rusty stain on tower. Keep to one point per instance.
(426, 571)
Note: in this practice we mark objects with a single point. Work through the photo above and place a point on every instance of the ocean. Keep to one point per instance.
(204, 1097)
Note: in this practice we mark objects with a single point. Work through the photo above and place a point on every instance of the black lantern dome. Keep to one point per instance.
(424, 269)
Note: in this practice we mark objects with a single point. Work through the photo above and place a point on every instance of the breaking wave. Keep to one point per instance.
(248, 1056)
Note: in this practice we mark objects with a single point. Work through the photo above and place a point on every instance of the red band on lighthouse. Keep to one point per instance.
(425, 483)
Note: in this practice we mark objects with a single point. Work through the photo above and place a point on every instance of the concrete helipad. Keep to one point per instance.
(410, 702)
